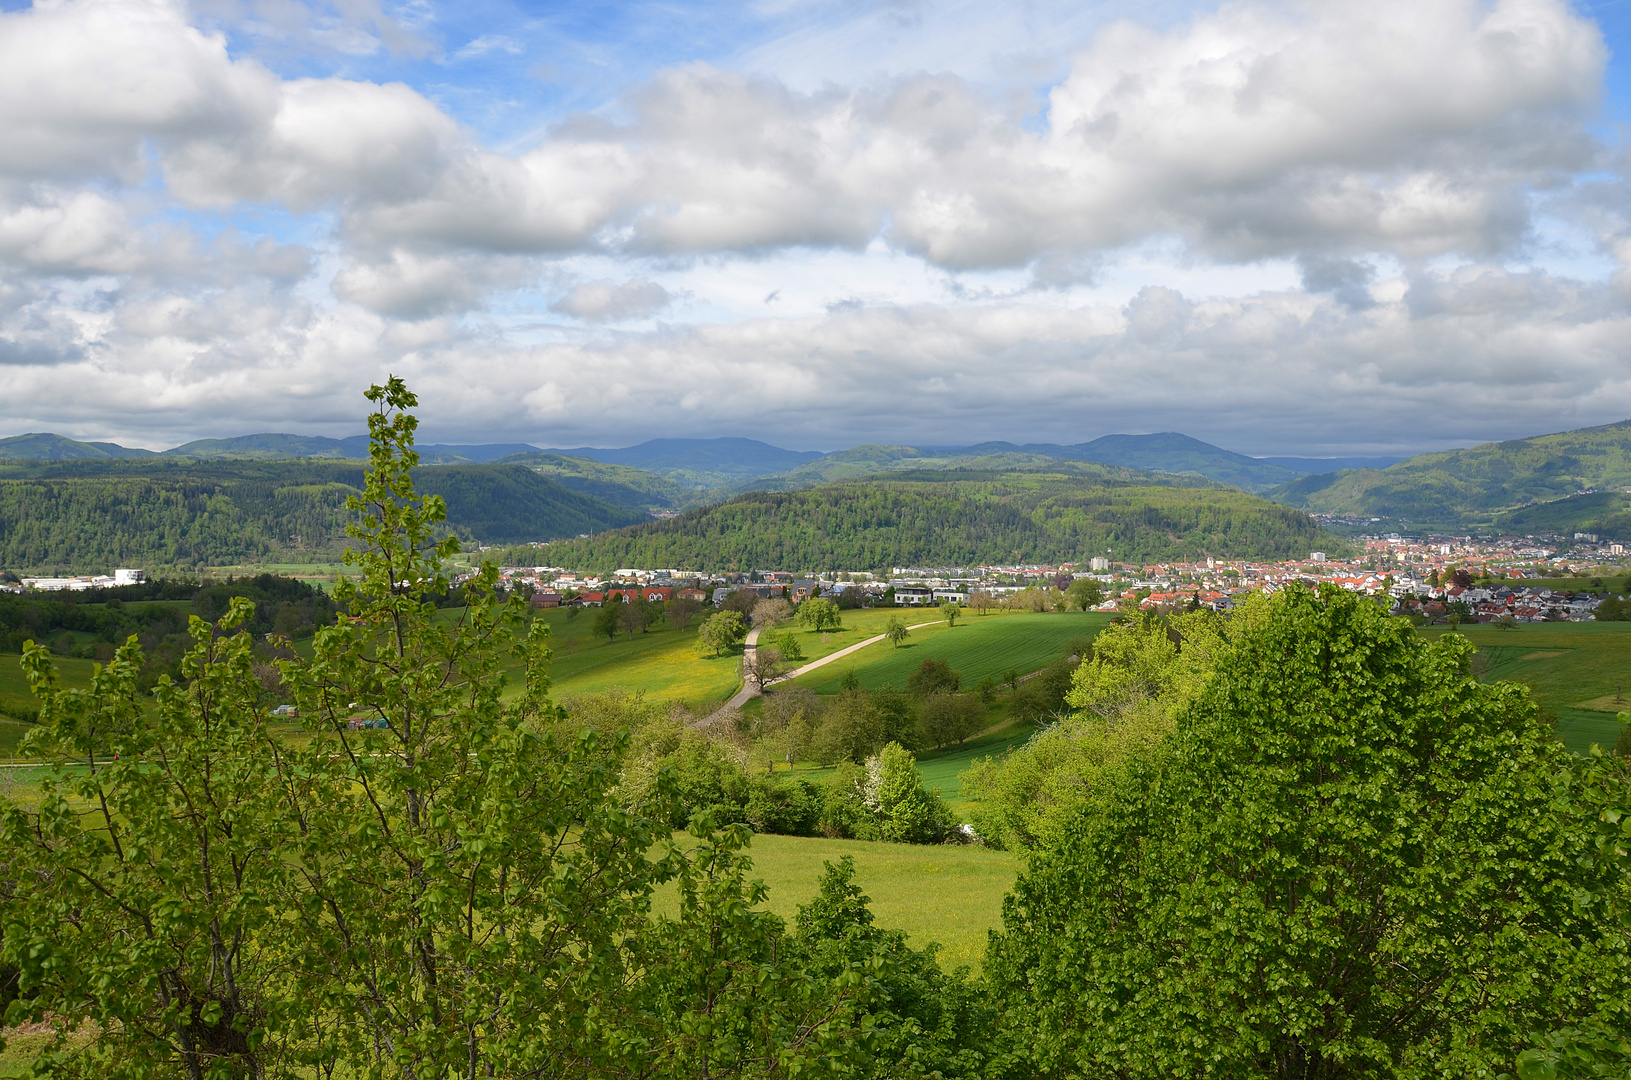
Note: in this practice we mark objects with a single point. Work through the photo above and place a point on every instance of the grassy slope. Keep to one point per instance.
(948, 895)
(976, 647)
(665, 662)
(1580, 663)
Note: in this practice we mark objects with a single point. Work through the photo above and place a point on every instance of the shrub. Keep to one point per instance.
(788, 807)
(906, 812)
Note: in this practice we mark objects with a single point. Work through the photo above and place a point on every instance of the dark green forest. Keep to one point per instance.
(950, 518)
(1484, 484)
(89, 516)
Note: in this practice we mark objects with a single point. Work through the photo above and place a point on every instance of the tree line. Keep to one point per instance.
(953, 520)
(71, 517)
(1295, 841)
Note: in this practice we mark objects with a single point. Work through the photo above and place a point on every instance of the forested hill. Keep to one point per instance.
(1483, 484)
(952, 518)
(93, 515)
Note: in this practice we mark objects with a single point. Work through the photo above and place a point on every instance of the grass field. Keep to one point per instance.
(941, 769)
(975, 648)
(1573, 669)
(664, 663)
(16, 701)
(948, 895)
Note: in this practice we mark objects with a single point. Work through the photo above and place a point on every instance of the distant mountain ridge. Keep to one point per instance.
(1538, 484)
(700, 463)
(268, 446)
(44, 446)
(689, 470)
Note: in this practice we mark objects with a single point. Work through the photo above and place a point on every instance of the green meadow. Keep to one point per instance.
(1574, 670)
(946, 894)
(978, 646)
(663, 662)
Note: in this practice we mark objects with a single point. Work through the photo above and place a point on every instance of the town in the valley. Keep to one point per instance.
(1432, 577)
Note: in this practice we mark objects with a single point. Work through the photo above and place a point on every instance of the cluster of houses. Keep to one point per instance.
(1419, 573)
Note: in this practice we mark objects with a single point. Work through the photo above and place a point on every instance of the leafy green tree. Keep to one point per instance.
(933, 676)
(632, 617)
(1085, 593)
(949, 718)
(1347, 860)
(950, 611)
(1125, 698)
(149, 921)
(819, 613)
(722, 630)
(1593, 1042)
(468, 886)
(609, 618)
(852, 729)
(788, 643)
(895, 630)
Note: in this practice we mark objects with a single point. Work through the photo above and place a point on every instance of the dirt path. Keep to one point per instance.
(751, 645)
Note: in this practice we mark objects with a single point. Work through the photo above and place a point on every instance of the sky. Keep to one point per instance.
(1300, 228)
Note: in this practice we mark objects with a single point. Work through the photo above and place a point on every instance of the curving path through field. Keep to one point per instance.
(751, 646)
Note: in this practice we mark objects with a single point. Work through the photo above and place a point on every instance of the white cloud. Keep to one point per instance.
(1455, 355)
(415, 286)
(607, 301)
(487, 43)
(84, 85)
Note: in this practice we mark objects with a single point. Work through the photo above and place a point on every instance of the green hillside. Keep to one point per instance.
(621, 485)
(83, 516)
(1484, 484)
(43, 446)
(1172, 452)
(956, 518)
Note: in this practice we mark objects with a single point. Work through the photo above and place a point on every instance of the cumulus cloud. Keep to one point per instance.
(606, 301)
(1397, 126)
(1464, 354)
(416, 286)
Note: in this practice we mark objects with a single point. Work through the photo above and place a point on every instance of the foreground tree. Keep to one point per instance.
(469, 886)
(1350, 859)
(136, 899)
